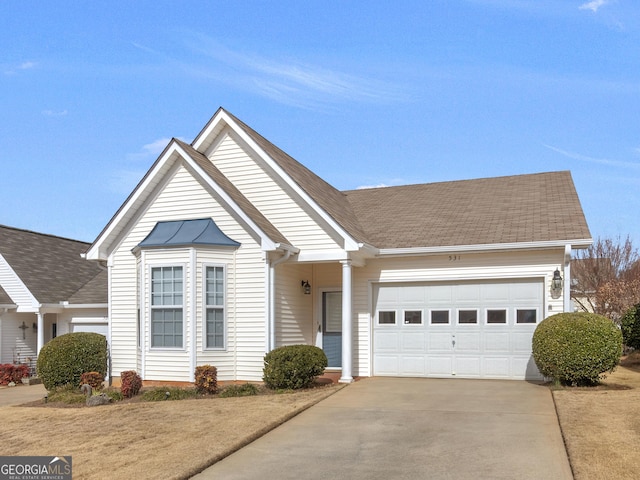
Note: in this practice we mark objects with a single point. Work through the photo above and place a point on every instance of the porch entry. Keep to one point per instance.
(331, 328)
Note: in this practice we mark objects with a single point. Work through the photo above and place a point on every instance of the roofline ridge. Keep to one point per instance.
(51, 235)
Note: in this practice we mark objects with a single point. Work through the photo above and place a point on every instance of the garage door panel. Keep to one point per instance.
(440, 365)
(467, 342)
(387, 365)
(412, 365)
(413, 342)
(439, 342)
(467, 366)
(387, 342)
(495, 342)
(496, 367)
(522, 341)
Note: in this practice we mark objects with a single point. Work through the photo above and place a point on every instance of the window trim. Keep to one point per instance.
(205, 307)
(149, 298)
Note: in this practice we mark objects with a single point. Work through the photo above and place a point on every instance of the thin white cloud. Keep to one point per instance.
(288, 81)
(27, 65)
(599, 161)
(593, 5)
(365, 187)
(150, 150)
(53, 113)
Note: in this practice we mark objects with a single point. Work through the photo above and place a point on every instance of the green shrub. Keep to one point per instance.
(576, 348)
(244, 390)
(206, 378)
(130, 383)
(95, 379)
(67, 393)
(293, 366)
(630, 326)
(65, 358)
(157, 394)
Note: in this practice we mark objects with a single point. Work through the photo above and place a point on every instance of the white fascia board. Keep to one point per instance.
(73, 306)
(266, 243)
(99, 248)
(492, 247)
(350, 244)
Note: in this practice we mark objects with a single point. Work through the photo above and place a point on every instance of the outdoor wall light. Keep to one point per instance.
(306, 288)
(556, 281)
(35, 326)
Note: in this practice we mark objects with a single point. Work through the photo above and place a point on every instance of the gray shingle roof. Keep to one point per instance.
(524, 208)
(50, 266)
(4, 298)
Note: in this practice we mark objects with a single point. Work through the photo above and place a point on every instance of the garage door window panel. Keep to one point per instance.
(387, 317)
(526, 316)
(439, 317)
(413, 317)
(496, 316)
(467, 317)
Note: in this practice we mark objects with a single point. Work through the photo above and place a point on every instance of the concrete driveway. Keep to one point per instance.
(409, 428)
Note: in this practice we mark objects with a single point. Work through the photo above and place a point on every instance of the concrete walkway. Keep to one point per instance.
(21, 394)
(405, 428)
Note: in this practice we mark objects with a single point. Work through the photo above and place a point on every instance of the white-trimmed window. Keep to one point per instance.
(467, 317)
(387, 317)
(413, 317)
(496, 316)
(167, 287)
(527, 315)
(214, 307)
(439, 317)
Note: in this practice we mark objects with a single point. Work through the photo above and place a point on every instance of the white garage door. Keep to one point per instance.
(101, 328)
(461, 329)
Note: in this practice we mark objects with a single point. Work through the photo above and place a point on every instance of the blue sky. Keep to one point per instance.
(363, 93)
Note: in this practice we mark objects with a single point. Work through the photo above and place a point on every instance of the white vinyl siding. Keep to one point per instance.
(182, 197)
(278, 203)
(294, 314)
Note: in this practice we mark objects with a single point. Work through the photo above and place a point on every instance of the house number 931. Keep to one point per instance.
(454, 258)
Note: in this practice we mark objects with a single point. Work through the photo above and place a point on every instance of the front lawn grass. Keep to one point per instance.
(149, 440)
(601, 425)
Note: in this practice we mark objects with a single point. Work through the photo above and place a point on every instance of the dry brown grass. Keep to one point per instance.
(601, 426)
(173, 439)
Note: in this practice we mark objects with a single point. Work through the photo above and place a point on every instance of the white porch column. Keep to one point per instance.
(347, 327)
(567, 279)
(40, 331)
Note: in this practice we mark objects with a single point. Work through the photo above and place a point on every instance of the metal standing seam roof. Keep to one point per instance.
(174, 233)
(51, 267)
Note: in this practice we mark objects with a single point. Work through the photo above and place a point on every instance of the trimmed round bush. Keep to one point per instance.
(577, 348)
(64, 359)
(630, 326)
(293, 366)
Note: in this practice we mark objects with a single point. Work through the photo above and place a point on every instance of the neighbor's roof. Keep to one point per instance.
(51, 267)
(540, 207)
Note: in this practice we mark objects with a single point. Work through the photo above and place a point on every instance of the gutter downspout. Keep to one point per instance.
(272, 298)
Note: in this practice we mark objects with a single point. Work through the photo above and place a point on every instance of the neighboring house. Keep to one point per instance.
(228, 248)
(46, 289)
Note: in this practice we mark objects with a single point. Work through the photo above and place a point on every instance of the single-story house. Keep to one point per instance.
(228, 248)
(46, 289)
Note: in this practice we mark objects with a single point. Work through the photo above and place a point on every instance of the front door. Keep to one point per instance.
(332, 328)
